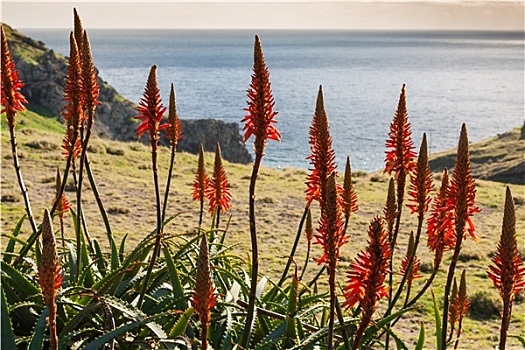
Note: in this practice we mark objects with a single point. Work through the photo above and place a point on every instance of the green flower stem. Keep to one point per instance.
(255, 256)
(101, 208)
(32, 239)
(294, 248)
(158, 237)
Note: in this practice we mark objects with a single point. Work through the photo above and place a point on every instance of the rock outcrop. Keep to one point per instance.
(43, 72)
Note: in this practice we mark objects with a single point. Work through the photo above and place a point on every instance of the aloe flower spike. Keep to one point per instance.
(50, 276)
(460, 199)
(507, 271)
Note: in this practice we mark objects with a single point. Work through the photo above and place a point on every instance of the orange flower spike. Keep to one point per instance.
(349, 196)
(12, 99)
(89, 78)
(415, 264)
(218, 191)
(174, 129)
(73, 95)
(453, 315)
(440, 234)
(369, 270)
(50, 276)
(390, 211)
(421, 182)
(78, 31)
(322, 156)
(463, 299)
(462, 191)
(459, 305)
(367, 276)
(204, 298)
(507, 270)
(151, 109)
(309, 230)
(400, 156)
(63, 204)
(330, 231)
(200, 184)
(261, 115)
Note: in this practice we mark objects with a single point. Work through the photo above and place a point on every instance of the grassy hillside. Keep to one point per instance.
(500, 158)
(124, 178)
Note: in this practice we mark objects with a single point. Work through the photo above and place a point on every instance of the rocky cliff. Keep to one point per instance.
(43, 71)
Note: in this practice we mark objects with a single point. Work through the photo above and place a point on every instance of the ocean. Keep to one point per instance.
(451, 78)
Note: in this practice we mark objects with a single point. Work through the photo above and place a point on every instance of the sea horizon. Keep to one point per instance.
(452, 77)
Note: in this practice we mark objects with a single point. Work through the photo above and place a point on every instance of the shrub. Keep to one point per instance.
(484, 305)
(115, 151)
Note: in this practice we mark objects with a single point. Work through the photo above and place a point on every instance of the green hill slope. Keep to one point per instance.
(501, 158)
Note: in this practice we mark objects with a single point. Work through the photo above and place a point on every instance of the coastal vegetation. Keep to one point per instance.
(131, 245)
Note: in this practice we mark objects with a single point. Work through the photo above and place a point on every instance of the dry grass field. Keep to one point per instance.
(123, 175)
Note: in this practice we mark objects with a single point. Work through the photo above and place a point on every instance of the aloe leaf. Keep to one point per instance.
(74, 321)
(8, 336)
(438, 322)
(37, 340)
(376, 326)
(421, 339)
(227, 336)
(72, 263)
(21, 285)
(115, 261)
(101, 262)
(178, 290)
(10, 248)
(520, 338)
(399, 343)
(122, 249)
(312, 339)
(272, 338)
(260, 287)
(291, 331)
(101, 341)
(180, 326)
(65, 341)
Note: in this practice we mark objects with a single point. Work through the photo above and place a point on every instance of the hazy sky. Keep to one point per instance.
(471, 15)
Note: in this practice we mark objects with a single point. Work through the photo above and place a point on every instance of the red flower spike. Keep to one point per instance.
(330, 231)
(462, 192)
(420, 183)
(309, 229)
(322, 157)
(73, 95)
(459, 305)
(151, 109)
(204, 298)
(507, 270)
(415, 263)
(218, 191)
(63, 204)
(78, 31)
(453, 315)
(200, 184)
(89, 78)
(439, 231)
(390, 210)
(50, 276)
(368, 272)
(349, 197)
(174, 129)
(12, 99)
(400, 156)
(260, 105)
